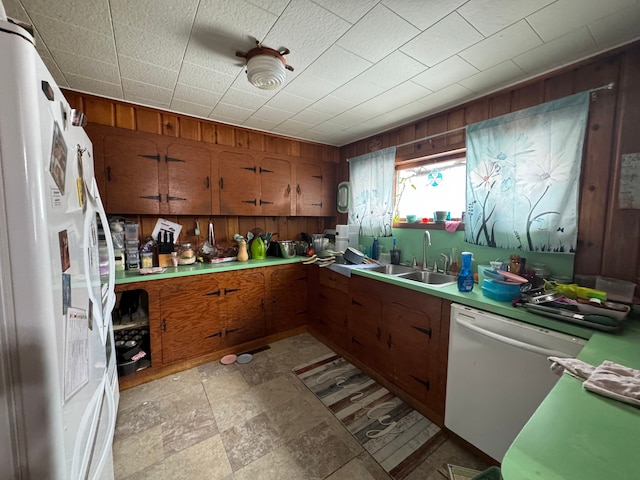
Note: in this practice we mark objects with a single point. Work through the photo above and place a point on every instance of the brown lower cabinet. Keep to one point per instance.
(288, 291)
(396, 332)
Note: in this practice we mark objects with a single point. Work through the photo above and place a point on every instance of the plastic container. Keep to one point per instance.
(131, 231)
(500, 291)
(481, 275)
(146, 260)
(617, 290)
(465, 277)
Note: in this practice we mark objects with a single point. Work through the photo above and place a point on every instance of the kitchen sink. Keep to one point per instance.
(392, 269)
(430, 278)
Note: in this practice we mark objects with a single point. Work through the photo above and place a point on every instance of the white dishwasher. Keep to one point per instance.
(498, 374)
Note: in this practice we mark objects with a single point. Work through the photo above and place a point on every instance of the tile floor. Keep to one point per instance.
(247, 422)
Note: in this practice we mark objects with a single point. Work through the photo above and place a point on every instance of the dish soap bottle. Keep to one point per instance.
(465, 277)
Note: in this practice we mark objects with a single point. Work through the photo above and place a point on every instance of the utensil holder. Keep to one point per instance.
(395, 256)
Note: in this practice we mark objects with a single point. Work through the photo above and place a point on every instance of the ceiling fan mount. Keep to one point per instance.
(266, 66)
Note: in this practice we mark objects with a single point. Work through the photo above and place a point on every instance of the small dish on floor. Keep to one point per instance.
(228, 359)
(244, 358)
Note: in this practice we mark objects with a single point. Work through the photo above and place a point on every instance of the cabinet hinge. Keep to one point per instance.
(221, 183)
(152, 197)
(217, 334)
(264, 170)
(423, 382)
(252, 202)
(230, 290)
(288, 188)
(164, 324)
(170, 198)
(389, 341)
(206, 181)
(355, 302)
(353, 340)
(317, 204)
(264, 202)
(151, 157)
(298, 189)
(215, 293)
(378, 333)
(231, 330)
(317, 176)
(252, 169)
(426, 331)
(108, 174)
(167, 158)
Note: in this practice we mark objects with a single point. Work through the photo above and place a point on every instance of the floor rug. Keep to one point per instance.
(398, 437)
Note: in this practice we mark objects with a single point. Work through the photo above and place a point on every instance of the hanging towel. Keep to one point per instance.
(574, 367)
(451, 225)
(615, 381)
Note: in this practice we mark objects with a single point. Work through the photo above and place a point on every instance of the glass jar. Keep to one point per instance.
(186, 254)
(146, 260)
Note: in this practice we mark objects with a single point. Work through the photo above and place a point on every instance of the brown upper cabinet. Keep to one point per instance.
(250, 185)
(150, 174)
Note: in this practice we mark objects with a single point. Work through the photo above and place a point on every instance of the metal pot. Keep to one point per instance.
(287, 248)
(351, 255)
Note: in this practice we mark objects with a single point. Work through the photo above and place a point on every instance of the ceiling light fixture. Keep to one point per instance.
(266, 66)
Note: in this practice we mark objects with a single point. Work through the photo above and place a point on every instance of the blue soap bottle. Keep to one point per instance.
(465, 276)
(375, 249)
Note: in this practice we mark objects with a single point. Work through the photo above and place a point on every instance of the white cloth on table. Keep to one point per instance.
(574, 367)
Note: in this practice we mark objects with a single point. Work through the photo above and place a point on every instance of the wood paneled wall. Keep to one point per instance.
(120, 114)
(608, 238)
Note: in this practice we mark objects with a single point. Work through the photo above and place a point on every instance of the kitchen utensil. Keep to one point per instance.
(537, 297)
(511, 277)
(351, 255)
(287, 248)
(599, 322)
(395, 256)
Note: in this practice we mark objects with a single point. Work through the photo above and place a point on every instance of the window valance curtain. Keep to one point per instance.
(371, 177)
(523, 173)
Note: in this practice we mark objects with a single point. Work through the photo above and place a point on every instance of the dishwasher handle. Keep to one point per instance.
(546, 352)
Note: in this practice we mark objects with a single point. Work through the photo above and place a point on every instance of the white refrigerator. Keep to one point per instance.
(58, 379)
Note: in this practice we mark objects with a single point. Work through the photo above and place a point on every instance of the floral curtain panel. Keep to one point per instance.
(371, 177)
(523, 172)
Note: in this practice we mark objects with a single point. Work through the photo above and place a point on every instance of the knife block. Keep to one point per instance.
(164, 260)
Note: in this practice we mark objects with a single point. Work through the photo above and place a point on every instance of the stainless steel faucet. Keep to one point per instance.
(445, 266)
(426, 242)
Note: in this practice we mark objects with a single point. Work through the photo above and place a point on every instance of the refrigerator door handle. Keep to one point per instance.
(110, 301)
(546, 352)
(111, 404)
(90, 420)
(87, 249)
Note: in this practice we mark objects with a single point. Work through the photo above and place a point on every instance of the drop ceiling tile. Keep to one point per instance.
(423, 14)
(392, 70)
(448, 37)
(231, 112)
(503, 74)
(616, 29)
(491, 16)
(351, 117)
(148, 47)
(171, 17)
(337, 66)
(555, 53)
(307, 30)
(350, 11)
(405, 113)
(15, 10)
(41, 47)
(272, 6)
(357, 91)
(365, 39)
(86, 67)
(327, 128)
(448, 96)
(91, 14)
(445, 73)
(55, 72)
(274, 114)
(147, 101)
(332, 105)
(203, 78)
(286, 101)
(564, 16)
(95, 87)
(242, 99)
(82, 41)
(222, 28)
(291, 127)
(198, 96)
(190, 108)
(310, 86)
(262, 124)
(504, 45)
(401, 94)
(147, 72)
(311, 117)
(132, 88)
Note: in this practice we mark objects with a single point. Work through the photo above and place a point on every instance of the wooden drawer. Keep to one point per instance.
(331, 279)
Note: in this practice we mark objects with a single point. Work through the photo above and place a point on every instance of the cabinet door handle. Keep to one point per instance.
(288, 189)
(252, 202)
(426, 383)
(426, 331)
(230, 290)
(151, 157)
(215, 293)
(164, 324)
(206, 181)
(298, 189)
(152, 197)
(252, 169)
(108, 174)
(355, 302)
(265, 202)
(221, 183)
(169, 198)
(217, 334)
(167, 158)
